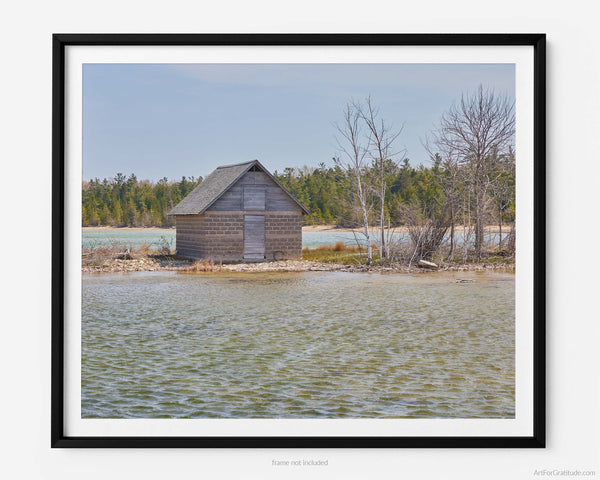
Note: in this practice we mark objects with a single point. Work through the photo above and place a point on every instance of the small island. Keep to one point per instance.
(113, 257)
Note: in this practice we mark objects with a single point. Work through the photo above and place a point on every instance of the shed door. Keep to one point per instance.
(254, 237)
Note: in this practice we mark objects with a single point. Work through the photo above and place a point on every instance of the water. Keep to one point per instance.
(152, 237)
(134, 238)
(330, 237)
(298, 345)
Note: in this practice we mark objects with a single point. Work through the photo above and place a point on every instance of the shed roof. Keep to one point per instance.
(216, 184)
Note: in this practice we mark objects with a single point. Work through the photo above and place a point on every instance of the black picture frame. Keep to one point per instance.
(62, 41)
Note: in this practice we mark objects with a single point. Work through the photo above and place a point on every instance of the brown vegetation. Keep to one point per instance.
(338, 257)
(124, 258)
(338, 253)
(202, 266)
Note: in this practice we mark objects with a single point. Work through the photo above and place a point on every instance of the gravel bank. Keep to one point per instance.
(151, 264)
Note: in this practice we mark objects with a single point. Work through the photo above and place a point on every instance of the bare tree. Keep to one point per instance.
(502, 187)
(450, 183)
(426, 232)
(466, 195)
(355, 152)
(480, 125)
(450, 186)
(381, 139)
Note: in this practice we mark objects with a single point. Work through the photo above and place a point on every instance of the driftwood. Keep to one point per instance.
(426, 264)
(126, 255)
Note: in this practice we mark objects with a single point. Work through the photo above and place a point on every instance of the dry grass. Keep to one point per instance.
(340, 247)
(338, 253)
(144, 249)
(201, 266)
(98, 256)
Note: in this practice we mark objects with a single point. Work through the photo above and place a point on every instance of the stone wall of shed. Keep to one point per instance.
(283, 235)
(219, 235)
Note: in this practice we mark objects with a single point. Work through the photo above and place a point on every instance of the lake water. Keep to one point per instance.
(298, 345)
(156, 237)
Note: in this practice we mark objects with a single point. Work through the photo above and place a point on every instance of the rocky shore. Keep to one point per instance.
(158, 263)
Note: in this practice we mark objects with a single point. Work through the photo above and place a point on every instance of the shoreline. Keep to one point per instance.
(158, 263)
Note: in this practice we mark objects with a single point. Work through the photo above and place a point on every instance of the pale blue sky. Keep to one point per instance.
(171, 120)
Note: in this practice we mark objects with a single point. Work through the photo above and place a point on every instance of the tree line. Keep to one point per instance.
(128, 202)
(327, 191)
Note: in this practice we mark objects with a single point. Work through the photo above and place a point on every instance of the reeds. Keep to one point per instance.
(338, 253)
(95, 255)
(201, 266)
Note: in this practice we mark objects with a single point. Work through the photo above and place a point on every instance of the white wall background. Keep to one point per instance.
(573, 157)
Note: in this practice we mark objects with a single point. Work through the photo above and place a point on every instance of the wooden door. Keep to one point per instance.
(254, 237)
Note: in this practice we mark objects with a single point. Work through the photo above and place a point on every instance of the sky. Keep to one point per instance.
(174, 120)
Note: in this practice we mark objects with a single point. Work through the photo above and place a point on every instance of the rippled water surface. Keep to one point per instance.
(298, 345)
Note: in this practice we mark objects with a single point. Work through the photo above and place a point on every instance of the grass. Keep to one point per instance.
(203, 266)
(338, 253)
(96, 255)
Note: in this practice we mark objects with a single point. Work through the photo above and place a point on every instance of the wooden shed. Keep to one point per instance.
(239, 213)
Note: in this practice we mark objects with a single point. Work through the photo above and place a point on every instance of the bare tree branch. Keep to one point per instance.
(479, 127)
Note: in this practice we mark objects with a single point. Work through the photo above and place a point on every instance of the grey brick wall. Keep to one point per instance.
(219, 235)
(283, 235)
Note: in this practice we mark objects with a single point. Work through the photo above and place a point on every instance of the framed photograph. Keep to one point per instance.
(332, 240)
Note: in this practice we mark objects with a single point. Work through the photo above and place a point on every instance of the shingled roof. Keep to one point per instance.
(216, 184)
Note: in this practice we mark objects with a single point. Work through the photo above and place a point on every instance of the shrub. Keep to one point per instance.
(339, 247)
